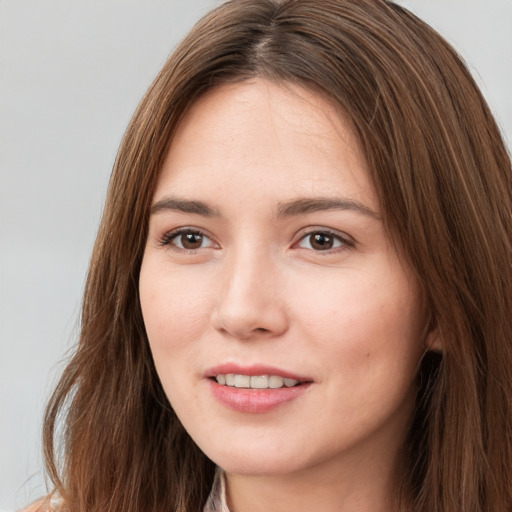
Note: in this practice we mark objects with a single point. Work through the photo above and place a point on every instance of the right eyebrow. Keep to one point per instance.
(184, 206)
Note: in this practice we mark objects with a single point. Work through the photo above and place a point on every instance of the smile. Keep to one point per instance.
(255, 381)
(256, 394)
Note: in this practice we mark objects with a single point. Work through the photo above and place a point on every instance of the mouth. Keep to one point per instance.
(255, 388)
(235, 380)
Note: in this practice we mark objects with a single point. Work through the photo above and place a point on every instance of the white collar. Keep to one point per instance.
(216, 502)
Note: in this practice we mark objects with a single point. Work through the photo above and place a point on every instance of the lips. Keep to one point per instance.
(256, 388)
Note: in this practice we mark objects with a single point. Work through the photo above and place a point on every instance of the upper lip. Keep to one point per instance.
(253, 370)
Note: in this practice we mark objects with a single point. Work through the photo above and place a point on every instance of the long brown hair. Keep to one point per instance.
(444, 180)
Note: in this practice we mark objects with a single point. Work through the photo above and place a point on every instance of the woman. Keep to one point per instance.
(302, 277)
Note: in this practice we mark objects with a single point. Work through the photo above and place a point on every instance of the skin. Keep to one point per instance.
(257, 289)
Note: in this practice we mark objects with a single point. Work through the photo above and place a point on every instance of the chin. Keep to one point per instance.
(263, 466)
(256, 460)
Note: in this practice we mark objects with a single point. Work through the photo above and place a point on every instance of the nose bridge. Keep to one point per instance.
(250, 265)
(250, 300)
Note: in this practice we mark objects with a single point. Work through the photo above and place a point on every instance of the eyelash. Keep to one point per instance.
(168, 238)
(344, 241)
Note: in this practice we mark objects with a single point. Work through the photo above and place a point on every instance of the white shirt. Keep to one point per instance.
(216, 502)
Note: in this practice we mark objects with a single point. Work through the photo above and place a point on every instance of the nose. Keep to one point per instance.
(251, 303)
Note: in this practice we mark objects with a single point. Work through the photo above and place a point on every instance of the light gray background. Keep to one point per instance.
(71, 74)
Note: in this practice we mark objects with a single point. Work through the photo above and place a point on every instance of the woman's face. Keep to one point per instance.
(284, 326)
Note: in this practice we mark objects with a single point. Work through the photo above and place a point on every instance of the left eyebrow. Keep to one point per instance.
(316, 204)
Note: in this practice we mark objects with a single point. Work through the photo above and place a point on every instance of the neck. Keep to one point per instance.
(368, 486)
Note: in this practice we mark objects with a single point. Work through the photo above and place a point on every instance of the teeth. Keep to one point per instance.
(259, 382)
(275, 382)
(255, 382)
(242, 381)
(289, 383)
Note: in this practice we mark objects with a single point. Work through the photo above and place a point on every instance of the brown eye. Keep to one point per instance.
(191, 240)
(321, 241)
(188, 240)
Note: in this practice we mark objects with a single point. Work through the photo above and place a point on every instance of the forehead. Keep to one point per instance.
(263, 135)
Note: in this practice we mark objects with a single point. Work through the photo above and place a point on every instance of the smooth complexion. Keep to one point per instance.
(266, 254)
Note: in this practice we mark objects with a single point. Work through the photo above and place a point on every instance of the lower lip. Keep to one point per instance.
(255, 401)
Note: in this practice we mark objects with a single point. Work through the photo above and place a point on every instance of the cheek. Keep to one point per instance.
(175, 308)
(372, 319)
(175, 312)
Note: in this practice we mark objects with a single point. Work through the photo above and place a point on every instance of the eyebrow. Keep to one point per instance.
(309, 205)
(184, 206)
(289, 209)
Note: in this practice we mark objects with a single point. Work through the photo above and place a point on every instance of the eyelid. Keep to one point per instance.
(167, 238)
(345, 239)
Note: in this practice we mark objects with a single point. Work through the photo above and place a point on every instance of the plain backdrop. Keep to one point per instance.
(71, 75)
